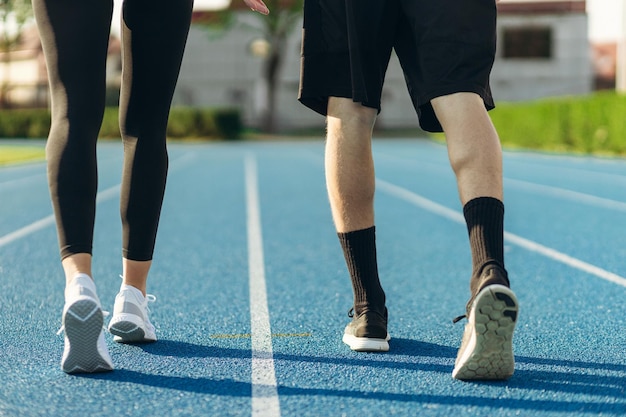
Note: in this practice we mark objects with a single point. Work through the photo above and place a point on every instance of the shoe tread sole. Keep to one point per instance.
(83, 325)
(487, 354)
(126, 329)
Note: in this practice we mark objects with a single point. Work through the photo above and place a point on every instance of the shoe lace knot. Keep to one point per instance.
(150, 298)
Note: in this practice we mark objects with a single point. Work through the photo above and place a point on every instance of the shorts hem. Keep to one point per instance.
(319, 103)
(448, 90)
(426, 114)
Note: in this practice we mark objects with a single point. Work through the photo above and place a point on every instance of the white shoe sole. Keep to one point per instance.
(128, 328)
(365, 344)
(83, 321)
(487, 351)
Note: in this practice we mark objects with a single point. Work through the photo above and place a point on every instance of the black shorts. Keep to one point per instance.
(444, 47)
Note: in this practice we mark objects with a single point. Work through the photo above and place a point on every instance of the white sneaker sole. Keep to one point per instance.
(82, 321)
(487, 354)
(365, 344)
(128, 328)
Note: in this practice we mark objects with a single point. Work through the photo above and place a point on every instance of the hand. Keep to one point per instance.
(257, 6)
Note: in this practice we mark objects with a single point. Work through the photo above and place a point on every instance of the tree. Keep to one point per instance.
(277, 26)
(275, 29)
(13, 15)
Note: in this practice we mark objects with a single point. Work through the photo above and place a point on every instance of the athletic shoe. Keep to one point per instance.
(367, 332)
(130, 322)
(486, 351)
(85, 348)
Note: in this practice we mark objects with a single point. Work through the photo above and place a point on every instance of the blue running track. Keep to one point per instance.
(252, 291)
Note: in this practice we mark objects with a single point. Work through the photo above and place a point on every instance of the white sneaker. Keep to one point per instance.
(85, 347)
(130, 322)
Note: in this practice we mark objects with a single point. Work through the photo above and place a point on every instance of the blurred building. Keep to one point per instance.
(23, 72)
(543, 50)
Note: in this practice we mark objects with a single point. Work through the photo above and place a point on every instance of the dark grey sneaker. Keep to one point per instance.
(367, 332)
(486, 351)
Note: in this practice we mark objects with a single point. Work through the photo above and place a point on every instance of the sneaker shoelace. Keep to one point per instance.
(150, 298)
(459, 318)
(351, 313)
(467, 309)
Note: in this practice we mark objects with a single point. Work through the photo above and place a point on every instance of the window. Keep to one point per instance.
(527, 43)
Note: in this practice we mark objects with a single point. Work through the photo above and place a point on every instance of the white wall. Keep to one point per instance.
(568, 72)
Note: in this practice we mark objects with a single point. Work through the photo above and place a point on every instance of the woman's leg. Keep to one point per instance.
(154, 33)
(75, 36)
(154, 36)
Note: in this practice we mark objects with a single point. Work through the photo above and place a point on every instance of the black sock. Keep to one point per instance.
(359, 249)
(485, 225)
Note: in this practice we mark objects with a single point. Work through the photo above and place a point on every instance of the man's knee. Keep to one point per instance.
(348, 111)
(461, 111)
(445, 104)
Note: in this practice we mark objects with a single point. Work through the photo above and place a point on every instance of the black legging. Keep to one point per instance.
(75, 36)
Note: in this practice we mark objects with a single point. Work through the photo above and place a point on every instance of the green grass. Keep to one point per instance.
(20, 154)
(593, 124)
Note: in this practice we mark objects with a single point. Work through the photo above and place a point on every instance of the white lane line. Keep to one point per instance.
(20, 181)
(26, 230)
(49, 220)
(568, 194)
(264, 388)
(510, 237)
(566, 259)
(103, 195)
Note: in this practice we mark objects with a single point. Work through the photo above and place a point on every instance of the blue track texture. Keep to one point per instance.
(565, 251)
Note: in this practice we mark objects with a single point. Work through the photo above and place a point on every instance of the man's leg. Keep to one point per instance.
(473, 145)
(349, 164)
(351, 182)
(476, 158)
